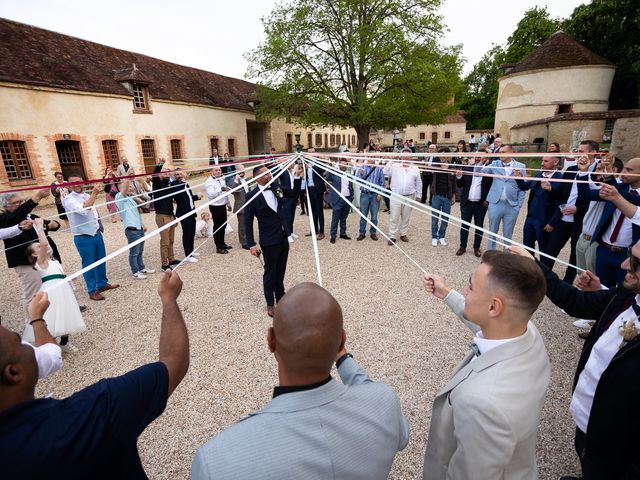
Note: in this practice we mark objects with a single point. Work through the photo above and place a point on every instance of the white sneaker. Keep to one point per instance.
(148, 270)
(139, 276)
(195, 254)
(191, 260)
(434, 242)
(443, 242)
(584, 323)
(68, 348)
(295, 237)
(290, 238)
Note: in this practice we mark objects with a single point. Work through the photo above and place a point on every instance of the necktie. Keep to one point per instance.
(618, 226)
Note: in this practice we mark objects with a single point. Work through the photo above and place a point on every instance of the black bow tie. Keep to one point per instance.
(475, 349)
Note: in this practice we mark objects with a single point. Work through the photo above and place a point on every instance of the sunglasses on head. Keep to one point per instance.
(634, 261)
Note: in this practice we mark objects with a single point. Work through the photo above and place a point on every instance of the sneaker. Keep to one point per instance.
(443, 242)
(294, 236)
(148, 270)
(165, 268)
(584, 323)
(139, 276)
(191, 260)
(434, 242)
(195, 254)
(68, 348)
(290, 238)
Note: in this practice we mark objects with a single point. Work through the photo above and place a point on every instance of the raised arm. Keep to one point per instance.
(43, 256)
(174, 340)
(454, 300)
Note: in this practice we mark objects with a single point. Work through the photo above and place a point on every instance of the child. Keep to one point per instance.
(63, 317)
(204, 227)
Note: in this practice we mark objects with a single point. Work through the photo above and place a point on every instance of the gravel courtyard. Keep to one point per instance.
(397, 332)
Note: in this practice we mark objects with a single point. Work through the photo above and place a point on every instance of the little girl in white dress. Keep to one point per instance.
(63, 316)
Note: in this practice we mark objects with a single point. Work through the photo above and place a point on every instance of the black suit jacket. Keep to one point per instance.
(271, 225)
(289, 188)
(465, 184)
(183, 205)
(612, 432)
(582, 204)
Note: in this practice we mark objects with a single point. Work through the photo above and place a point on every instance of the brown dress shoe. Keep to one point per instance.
(374, 237)
(308, 234)
(477, 252)
(320, 236)
(460, 251)
(360, 237)
(584, 335)
(270, 310)
(404, 238)
(96, 296)
(391, 241)
(108, 287)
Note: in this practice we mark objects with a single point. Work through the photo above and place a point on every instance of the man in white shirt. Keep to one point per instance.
(405, 182)
(484, 422)
(87, 236)
(215, 189)
(605, 390)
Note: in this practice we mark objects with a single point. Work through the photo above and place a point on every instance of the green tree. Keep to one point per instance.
(611, 28)
(479, 92)
(355, 63)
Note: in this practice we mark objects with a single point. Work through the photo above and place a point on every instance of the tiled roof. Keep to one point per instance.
(34, 56)
(563, 117)
(456, 118)
(560, 50)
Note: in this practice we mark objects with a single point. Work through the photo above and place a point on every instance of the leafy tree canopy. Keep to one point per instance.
(357, 63)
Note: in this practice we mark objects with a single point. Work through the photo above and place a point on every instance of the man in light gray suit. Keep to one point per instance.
(315, 427)
(484, 422)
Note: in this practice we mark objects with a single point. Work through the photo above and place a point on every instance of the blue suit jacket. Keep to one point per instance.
(542, 204)
(345, 430)
(271, 225)
(333, 198)
(585, 192)
(515, 196)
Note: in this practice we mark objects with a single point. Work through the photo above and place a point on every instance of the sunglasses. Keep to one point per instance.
(634, 261)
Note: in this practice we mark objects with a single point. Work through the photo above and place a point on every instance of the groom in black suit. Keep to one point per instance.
(268, 208)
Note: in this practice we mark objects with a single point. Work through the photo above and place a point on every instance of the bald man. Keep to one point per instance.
(315, 427)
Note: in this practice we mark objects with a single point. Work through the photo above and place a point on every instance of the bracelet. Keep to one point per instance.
(342, 359)
(37, 320)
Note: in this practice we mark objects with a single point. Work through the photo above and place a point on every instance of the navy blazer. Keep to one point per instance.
(333, 198)
(593, 195)
(289, 189)
(271, 225)
(542, 204)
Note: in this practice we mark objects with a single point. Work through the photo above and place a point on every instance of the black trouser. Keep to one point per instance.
(303, 200)
(562, 232)
(592, 470)
(317, 209)
(476, 211)
(275, 266)
(219, 216)
(188, 233)
(427, 177)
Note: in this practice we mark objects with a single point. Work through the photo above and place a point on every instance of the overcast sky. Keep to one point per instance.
(213, 35)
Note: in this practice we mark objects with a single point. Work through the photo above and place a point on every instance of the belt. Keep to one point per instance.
(613, 248)
(134, 229)
(587, 237)
(53, 277)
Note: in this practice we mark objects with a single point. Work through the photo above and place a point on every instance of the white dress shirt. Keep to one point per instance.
(48, 358)
(214, 190)
(269, 197)
(10, 232)
(404, 181)
(83, 221)
(601, 355)
(486, 344)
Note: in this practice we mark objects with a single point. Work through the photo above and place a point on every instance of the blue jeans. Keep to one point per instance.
(438, 202)
(506, 213)
(92, 249)
(135, 253)
(340, 213)
(369, 202)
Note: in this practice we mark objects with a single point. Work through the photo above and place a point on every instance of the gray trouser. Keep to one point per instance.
(586, 254)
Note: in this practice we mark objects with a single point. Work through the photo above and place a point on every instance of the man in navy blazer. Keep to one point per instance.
(542, 205)
(268, 208)
(314, 427)
(290, 192)
(504, 197)
(340, 208)
(316, 188)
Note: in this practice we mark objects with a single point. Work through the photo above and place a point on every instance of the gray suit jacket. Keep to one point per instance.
(484, 422)
(337, 431)
(239, 197)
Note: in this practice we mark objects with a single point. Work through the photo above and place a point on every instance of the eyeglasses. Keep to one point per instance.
(634, 261)
(17, 202)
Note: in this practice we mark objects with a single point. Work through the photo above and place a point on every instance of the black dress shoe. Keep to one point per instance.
(246, 247)
(227, 247)
(345, 237)
(174, 262)
(222, 251)
(333, 240)
(570, 477)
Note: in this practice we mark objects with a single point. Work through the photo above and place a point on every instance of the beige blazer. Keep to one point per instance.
(484, 422)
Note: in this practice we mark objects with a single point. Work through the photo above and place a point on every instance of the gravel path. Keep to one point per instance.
(395, 330)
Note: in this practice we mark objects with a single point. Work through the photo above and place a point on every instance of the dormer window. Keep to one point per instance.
(140, 97)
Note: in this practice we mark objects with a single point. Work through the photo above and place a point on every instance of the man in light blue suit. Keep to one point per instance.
(505, 198)
(315, 427)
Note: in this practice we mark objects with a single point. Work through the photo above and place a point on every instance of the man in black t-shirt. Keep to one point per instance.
(92, 433)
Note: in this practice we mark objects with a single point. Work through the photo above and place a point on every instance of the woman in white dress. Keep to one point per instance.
(63, 317)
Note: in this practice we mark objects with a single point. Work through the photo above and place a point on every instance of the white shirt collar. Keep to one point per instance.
(485, 344)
